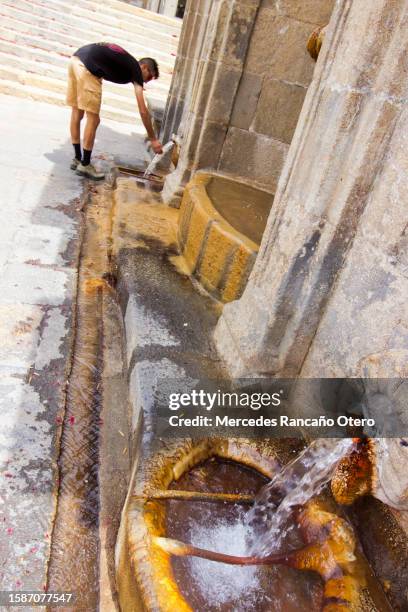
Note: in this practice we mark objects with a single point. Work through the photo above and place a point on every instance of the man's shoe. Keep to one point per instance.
(75, 163)
(90, 171)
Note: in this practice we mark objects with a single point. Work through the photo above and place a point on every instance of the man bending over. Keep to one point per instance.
(87, 68)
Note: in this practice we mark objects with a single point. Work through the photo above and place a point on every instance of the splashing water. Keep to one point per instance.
(269, 519)
(159, 158)
(220, 583)
(220, 587)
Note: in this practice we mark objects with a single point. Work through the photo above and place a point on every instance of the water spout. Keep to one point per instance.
(160, 159)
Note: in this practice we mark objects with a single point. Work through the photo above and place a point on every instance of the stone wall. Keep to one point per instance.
(251, 72)
(210, 94)
(272, 89)
(186, 69)
(328, 292)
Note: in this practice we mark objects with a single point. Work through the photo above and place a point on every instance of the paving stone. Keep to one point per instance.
(42, 244)
(26, 486)
(50, 345)
(19, 334)
(33, 284)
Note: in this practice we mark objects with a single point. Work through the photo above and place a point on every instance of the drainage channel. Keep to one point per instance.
(152, 182)
(94, 439)
(75, 539)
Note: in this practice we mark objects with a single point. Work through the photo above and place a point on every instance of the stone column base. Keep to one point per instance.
(229, 350)
(174, 186)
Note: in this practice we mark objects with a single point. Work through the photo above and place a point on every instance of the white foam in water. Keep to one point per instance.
(220, 583)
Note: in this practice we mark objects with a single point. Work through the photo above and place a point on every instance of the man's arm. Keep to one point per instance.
(147, 121)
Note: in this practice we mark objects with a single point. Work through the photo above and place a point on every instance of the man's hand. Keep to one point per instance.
(156, 145)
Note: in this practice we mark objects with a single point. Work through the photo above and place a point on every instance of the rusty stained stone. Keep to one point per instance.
(144, 574)
(153, 222)
(218, 255)
(354, 475)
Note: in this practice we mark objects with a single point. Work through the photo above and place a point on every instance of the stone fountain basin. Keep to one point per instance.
(220, 229)
(220, 526)
(144, 572)
(151, 579)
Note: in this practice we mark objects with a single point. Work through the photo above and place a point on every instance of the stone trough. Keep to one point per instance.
(220, 229)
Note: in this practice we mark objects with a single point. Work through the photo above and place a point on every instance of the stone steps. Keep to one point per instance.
(75, 16)
(48, 37)
(23, 26)
(52, 78)
(41, 69)
(58, 86)
(37, 37)
(55, 65)
(119, 13)
(169, 23)
(22, 90)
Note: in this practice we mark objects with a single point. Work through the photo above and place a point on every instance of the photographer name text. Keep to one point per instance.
(261, 421)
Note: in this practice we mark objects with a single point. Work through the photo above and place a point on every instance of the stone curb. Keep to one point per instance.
(168, 329)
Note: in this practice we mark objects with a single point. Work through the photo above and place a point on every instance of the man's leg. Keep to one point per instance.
(86, 168)
(75, 126)
(92, 122)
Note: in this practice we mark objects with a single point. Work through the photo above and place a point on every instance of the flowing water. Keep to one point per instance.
(75, 539)
(270, 519)
(159, 159)
(227, 528)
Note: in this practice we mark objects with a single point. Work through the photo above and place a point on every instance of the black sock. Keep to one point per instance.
(86, 160)
(77, 149)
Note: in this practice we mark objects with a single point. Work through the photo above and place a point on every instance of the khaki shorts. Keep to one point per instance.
(84, 89)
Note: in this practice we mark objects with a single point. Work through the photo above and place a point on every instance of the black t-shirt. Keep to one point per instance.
(110, 62)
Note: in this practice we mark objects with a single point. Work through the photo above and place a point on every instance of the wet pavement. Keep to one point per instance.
(41, 208)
